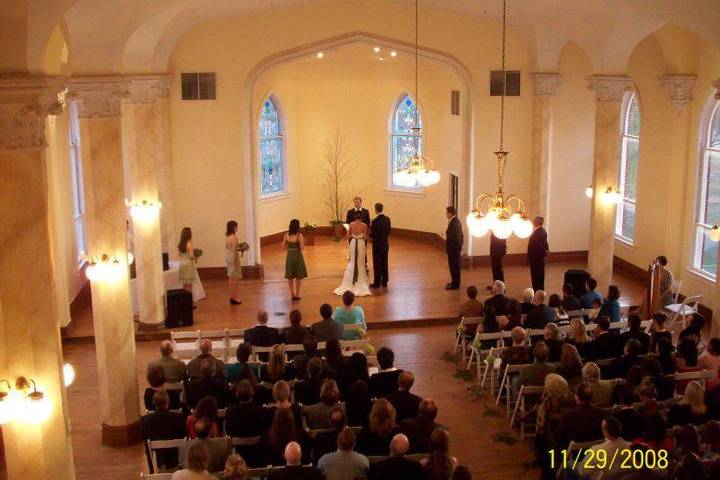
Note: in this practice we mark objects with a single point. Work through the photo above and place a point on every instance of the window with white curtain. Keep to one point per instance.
(629, 155)
(76, 176)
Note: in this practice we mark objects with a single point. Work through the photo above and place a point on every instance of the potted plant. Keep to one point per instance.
(309, 232)
(242, 248)
(337, 197)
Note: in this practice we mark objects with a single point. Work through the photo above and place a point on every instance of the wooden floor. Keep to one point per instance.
(416, 294)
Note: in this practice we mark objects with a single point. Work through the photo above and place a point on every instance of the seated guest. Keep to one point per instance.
(397, 466)
(687, 442)
(217, 450)
(658, 331)
(489, 325)
(712, 400)
(156, 379)
(577, 336)
(471, 308)
(710, 360)
(513, 316)
(281, 399)
(356, 368)
(535, 373)
(326, 328)
(570, 302)
(334, 358)
(235, 468)
(664, 386)
(307, 391)
(207, 409)
(300, 362)
(293, 459)
(325, 441)
(601, 391)
(655, 434)
(587, 300)
(375, 438)
(296, 332)
(162, 424)
(461, 472)
(541, 314)
(197, 463)
(498, 300)
(620, 367)
(527, 301)
(695, 324)
(193, 367)
(582, 423)
(711, 441)
(648, 396)
(406, 404)
(556, 398)
(570, 366)
(385, 381)
(635, 331)
(173, 368)
(283, 430)
(606, 343)
(350, 314)
(208, 385)
(275, 370)
(518, 353)
(318, 414)
(244, 418)
(691, 408)
(665, 356)
(439, 465)
(243, 354)
(611, 305)
(345, 463)
(690, 468)
(612, 446)
(555, 303)
(686, 360)
(261, 335)
(358, 404)
(552, 340)
(630, 418)
(419, 430)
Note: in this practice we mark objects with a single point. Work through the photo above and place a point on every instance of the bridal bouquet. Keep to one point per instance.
(242, 248)
(197, 253)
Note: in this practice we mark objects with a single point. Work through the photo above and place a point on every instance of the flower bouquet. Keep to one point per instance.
(197, 253)
(309, 228)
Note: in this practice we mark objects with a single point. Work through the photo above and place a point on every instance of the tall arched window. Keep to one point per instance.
(76, 176)
(708, 212)
(403, 139)
(629, 155)
(272, 153)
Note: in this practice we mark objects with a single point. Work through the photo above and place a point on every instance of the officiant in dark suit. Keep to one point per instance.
(498, 249)
(364, 213)
(453, 247)
(537, 250)
(379, 232)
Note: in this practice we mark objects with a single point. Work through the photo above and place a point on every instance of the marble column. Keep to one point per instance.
(140, 139)
(99, 101)
(165, 169)
(29, 329)
(543, 88)
(609, 92)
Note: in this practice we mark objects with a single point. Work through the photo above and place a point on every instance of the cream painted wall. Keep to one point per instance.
(318, 97)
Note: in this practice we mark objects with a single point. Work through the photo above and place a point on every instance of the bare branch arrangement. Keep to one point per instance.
(338, 168)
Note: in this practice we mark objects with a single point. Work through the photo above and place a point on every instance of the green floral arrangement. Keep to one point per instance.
(242, 248)
(461, 330)
(490, 359)
(310, 224)
(476, 344)
(197, 252)
(361, 333)
(368, 349)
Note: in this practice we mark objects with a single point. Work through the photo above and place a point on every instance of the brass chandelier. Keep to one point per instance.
(500, 213)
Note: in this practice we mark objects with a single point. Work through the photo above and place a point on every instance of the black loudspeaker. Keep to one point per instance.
(166, 261)
(578, 280)
(179, 308)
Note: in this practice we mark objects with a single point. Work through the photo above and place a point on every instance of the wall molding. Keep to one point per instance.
(475, 261)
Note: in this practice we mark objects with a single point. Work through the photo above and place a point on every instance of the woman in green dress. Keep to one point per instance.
(295, 269)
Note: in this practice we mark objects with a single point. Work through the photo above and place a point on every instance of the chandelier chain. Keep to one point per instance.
(504, 77)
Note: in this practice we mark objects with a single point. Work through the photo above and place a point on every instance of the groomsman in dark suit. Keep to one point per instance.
(453, 247)
(498, 249)
(538, 249)
(379, 232)
(364, 213)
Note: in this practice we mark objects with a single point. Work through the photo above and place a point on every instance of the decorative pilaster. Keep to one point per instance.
(544, 88)
(29, 329)
(609, 92)
(103, 174)
(679, 88)
(165, 169)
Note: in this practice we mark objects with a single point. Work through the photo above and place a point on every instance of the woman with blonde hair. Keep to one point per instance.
(375, 438)
(691, 408)
(281, 399)
(235, 468)
(197, 461)
(275, 369)
(556, 399)
(577, 336)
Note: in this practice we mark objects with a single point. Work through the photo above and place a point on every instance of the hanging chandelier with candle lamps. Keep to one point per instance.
(419, 171)
(500, 213)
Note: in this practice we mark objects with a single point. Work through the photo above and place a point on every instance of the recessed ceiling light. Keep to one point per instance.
(376, 49)
(381, 58)
(320, 55)
(393, 53)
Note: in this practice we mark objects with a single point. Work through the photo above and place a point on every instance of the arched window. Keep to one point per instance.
(403, 139)
(272, 153)
(76, 176)
(708, 212)
(629, 155)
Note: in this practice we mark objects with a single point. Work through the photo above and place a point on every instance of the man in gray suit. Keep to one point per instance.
(534, 374)
(173, 368)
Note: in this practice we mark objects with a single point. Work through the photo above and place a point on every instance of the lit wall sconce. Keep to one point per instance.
(714, 233)
(22, 404)
(611, 195)
(106, 269)
(68, 374)
(589, 192)
(144, 211)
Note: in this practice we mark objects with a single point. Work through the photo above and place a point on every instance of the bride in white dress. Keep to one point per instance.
(355, 277)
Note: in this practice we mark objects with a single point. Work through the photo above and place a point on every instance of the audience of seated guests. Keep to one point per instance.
(693, 330)
(349, 314)
(686, 360)
(326, 328)
(439, 465)
(601, 395)
(710, 360)
(518, 353)
(611, 305)
(358, 404)
(498, 300)
(555, 303)
(630, 418)
(655, 433)
(581, 423)
(283, 430)
(275, 369)
(173, 368)
(206, 408)
(208, 385)
(193, 368)
(613, 444)
(197, 464)
(397, 466)
(570, 303)
(606, 344)
(471, 308)
(527, 304)
(300, 361)
(294, 459)
(535, 373)
(513, 316)
(375, 438)
(325, 441)
(296, 332)
(385, 381)
(587, 299)
(318, 414)
(261, 335)
(406, 404)
(620, 366)
(243, 354)
(345, 463)
(156, 379)
(217, 448)
(551, 336)
(162, 424)
(307, 391)
(355, 369)
(540, 314)
(571, 365)
(556, 399)
(334, 359)
(711, 441)
(489, 325)
(658, 331)
(418, 430)
(281, 399)
(634, 324)
(235, 468)
(712, 399)
(691, 408)
(244, 418)
(578, 337)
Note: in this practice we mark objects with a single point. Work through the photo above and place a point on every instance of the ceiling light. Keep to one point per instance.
(589, 192)
(393, 53)
(68, 374)
(320, 55)
(376, 49)
(381, 58)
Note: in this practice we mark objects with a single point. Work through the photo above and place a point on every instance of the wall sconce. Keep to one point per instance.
(68, 374)
(144, 211)
(106, 269)
(589, 192)
(611, 195)
(714, 233)
(21, 404)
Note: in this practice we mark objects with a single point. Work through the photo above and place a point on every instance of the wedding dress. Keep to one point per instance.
(355, 277)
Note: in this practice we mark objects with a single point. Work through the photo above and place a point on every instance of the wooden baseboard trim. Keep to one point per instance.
(476, 261)
(253, 272)
(121, 435)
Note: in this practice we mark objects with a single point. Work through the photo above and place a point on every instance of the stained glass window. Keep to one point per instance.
(629, 156)
(272, 172)
(405, 141)
(706, 250)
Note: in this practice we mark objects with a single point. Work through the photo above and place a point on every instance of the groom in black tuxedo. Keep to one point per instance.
(380, 231)
(364, 213)
(453, 247)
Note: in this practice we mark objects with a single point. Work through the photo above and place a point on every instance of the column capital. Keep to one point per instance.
(609, 88)
(716, 84)
(544, 83)
(146, 88)
(25, 101)
(679, 88)
(98, 97)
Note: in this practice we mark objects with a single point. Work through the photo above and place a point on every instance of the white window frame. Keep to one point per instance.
(625, 136)
(76, 178)
(392, 134)
(283, 143)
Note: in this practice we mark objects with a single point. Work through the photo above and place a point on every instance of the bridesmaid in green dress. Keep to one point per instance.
(187, 259)
(295, 269)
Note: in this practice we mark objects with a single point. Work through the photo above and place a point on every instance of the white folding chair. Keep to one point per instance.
(476, 351)
(156, 476)
(349, 345)
(521, 410)
(492, 367)
(244, 441)
(687, 307)
(461, 337)
(186, 344)
(154, 445)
